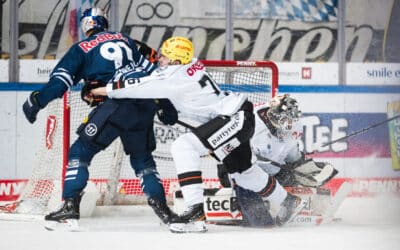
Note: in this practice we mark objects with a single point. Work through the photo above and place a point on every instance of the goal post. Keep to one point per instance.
(270, 82)
(110, 169)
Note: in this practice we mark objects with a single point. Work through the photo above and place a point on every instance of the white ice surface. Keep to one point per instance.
(366, 224)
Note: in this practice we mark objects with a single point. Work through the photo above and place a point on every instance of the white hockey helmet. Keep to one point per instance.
(94, 19)
(283, 112)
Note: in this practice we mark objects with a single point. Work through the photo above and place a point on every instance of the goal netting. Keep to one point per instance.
(110, 170)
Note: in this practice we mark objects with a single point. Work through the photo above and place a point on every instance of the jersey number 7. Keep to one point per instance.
(206, 80)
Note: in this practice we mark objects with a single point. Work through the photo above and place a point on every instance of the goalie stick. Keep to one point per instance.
(361, 130)
(184, 124)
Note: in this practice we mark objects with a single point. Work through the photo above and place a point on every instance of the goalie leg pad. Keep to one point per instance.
(255, 211)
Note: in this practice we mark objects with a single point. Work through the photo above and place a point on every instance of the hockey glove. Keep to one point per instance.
(167, 113)
(148, 52)
(89, 98)
(31, 107)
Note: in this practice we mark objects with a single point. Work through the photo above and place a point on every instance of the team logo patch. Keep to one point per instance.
(227, 131)
(226, 149)
(91, 129)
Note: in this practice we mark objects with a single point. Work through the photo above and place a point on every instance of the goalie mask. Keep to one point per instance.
(282, 114)
(94, 19)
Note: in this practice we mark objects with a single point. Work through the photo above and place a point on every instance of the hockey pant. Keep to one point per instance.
(130, 120)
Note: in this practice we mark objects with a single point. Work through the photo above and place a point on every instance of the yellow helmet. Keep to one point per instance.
(178, 48)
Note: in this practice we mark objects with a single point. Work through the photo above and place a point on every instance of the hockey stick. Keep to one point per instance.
(361, 131)
(183, 124)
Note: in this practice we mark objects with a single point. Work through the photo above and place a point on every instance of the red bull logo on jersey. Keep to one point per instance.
(86, 46)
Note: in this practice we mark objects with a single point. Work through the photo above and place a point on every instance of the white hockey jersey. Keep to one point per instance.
(268, 146)
(189, 87)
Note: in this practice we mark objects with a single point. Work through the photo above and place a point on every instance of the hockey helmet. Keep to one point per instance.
(283, 112)
(94, 19)
(178, 48)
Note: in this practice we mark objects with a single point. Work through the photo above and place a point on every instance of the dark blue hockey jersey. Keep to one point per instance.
(99, 57)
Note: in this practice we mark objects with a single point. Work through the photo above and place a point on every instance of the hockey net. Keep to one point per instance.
(110, 170)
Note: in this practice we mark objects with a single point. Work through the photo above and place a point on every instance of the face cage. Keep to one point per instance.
(283, 122)
(99, 23)
(87, 23)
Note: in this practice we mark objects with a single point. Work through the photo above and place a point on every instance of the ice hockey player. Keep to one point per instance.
(275, 143)
(225, 125)
(96, 60)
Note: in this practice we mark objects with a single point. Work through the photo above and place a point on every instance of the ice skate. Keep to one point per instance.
(192, 220)
(162, 210)
(68, 216)
(290, 207)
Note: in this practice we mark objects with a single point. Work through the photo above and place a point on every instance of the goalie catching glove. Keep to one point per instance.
(305, 172)
(88, 97)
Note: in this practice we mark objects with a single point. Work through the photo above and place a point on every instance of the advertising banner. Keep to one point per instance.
(373, 73)
(394, 132)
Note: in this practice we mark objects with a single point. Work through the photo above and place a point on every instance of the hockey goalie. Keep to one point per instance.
(275, 146)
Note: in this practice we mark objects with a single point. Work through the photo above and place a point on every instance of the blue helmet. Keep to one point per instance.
(94, 19)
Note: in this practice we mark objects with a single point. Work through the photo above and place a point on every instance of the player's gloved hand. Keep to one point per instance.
(31, 107)
(167, 117)
(167, 113)
(148, 52)
(88, 97)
